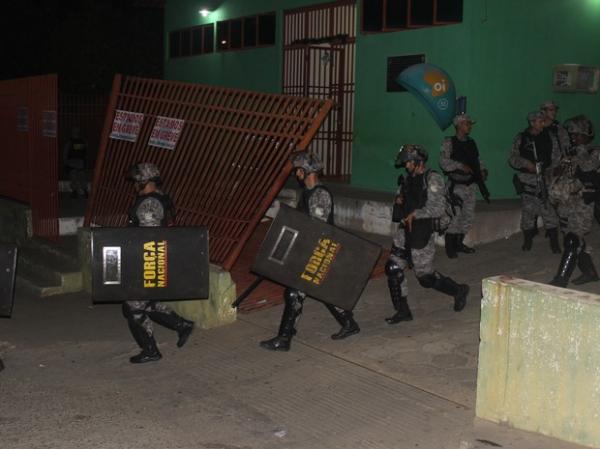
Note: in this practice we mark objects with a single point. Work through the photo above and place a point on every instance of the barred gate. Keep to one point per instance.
(319, 61)
(29, 153)
(229, 163)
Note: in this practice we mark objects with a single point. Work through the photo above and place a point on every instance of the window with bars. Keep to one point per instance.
(394, 15)
(192, 41)
(246, 32)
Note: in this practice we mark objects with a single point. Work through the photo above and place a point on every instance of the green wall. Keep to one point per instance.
(500, 57)
(258, 69)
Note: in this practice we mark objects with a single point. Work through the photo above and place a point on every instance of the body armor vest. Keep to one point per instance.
(415, 197)
(166, 204)
(543, 146)
(305, 199)
(465, 152)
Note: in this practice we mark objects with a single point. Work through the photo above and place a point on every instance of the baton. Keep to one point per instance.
(240, 299)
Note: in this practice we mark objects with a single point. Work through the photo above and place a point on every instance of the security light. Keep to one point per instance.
(204, 12)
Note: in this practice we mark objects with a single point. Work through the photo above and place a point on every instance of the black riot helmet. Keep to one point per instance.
(411, 152)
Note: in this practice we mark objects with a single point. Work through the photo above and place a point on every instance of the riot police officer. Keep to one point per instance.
(152, 207)
(460, 161)
(534, 156)
(315, 201)
(75, 157)
(421, 197)
(575, 192)
(559, 135)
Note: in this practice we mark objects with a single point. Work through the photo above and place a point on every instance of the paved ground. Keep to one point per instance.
(68, 383)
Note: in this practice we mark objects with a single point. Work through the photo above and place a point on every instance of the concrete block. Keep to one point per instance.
(15, 222)
(539, 359)
(216, 310)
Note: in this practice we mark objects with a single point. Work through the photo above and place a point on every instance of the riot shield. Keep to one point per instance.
(153, 263)
(8, 266)
(319, 259)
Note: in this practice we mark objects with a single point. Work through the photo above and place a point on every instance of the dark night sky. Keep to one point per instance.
(85, 41)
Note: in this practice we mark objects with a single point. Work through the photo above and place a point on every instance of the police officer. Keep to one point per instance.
(152, 207)
(559, 135)
(422, 199)
(315, 201)
(460, 161)
(575, 193)
(533, 150)
(74, 157)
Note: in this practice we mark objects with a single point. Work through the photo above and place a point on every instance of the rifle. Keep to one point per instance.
(478, 178)
(539, 175)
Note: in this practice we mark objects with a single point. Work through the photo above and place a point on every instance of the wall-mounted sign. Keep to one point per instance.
(576, 78)
(49, 123)
(23, 119)
(126, 125)
(165, 133)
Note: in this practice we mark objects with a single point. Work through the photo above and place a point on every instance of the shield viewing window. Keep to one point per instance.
(111, 265)
(283, 245)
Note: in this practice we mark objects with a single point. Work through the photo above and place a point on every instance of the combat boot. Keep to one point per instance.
(173, 321)
(403, 312)
(350, 326)
(553, 236)
(567, 261)
(283, 340)
(399, 302)
(145, 341)
(461, 247)
(588, 271)
(448, 286)
(528, 235)
(451, 241)
(144, 357)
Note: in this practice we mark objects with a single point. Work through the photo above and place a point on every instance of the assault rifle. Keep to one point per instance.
(539, 175)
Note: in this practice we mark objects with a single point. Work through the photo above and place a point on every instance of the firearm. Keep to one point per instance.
(539, 175)
(477, 176)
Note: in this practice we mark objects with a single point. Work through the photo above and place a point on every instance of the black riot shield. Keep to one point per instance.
(153, 263)
(317, 258)
(8, 265)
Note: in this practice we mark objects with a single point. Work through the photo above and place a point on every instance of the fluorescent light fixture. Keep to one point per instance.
(204, 12)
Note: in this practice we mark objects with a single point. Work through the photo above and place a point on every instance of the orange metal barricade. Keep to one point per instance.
(29, 154)
(230, 161)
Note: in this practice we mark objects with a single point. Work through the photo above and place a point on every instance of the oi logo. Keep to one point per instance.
(438, 82)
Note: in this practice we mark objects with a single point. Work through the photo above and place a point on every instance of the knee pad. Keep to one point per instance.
(427, 280)
(392, 268)
(571, 242)
(293, 297)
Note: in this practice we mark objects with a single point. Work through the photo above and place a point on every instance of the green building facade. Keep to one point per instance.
(501, 57)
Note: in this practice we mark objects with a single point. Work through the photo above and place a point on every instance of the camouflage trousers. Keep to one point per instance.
(533, 207)
(463, 220)
(576, 217)
(422, 259)
(140, 312)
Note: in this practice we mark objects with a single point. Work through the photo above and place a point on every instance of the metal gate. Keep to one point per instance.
(29, 154)
(318, 61)
(229, 162)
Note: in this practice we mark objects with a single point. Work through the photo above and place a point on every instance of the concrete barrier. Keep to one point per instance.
(539, 359)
